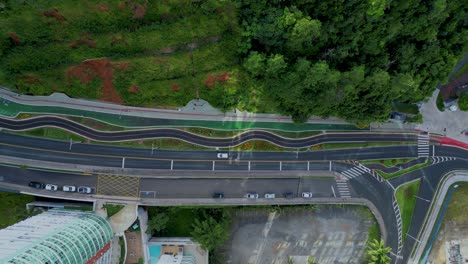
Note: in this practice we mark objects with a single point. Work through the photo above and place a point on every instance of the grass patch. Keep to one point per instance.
(79, 208)
(406, 198)
(387, 162)
(460, 72)
(456, 210)
(440, 102)
(405, 108)
(122, 250)
(356, 145)
(13, 208)
(51, 133)
(259, 145)
(112, 209)
(401, 172)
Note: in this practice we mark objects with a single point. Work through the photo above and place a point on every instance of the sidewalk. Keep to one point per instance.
(194, 110)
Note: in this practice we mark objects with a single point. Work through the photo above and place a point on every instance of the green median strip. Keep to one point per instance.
(401, 172)
(387, 162)
(357, 145)
(406, 198)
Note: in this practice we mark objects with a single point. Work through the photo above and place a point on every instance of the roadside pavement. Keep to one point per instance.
(447, 123)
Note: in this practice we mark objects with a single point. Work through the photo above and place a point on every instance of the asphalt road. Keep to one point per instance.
(363, 186)
(115, 136)
(430, 177)
(112, 156)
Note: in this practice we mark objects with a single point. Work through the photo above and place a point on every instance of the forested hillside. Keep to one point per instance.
(349, 59)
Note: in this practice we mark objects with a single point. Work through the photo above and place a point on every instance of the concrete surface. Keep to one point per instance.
(448, 123)
(329, 234)
(122, 220)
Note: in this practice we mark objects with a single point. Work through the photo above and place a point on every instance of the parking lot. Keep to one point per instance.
(329, 234)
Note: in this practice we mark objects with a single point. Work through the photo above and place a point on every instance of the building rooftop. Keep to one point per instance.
(55, 236)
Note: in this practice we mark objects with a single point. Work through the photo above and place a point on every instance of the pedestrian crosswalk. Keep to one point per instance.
(343, 188)
(435, 160)
(356, 171)
(423, 145)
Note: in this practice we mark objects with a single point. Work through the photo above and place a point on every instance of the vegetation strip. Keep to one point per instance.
(406, 198)
(404, 171)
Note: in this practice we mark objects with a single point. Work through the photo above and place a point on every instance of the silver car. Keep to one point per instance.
(84, 189)
(269, 195)
(69, 188)
(51, 187)
(307, 194)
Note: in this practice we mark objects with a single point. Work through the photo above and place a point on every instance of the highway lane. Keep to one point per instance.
(235, 188)
(21, 176)
(26, 124)
(181, 188)
(430, 177)
(105, 155)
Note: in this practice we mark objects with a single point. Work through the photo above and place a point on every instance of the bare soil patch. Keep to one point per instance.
(85, 40)
(101, 7)
(54, 13)
(14, 38)
(210, 81)
(101, 68)
(133, 89)
(175, 87)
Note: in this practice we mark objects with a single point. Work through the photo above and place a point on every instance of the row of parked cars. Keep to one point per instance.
(65, 188)
(267, 195)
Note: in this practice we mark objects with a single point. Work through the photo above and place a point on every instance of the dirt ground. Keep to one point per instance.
(101, 68)
(329, 234)
(134, 247)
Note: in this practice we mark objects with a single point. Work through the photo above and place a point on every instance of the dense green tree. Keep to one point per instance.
(400, 49)
(210, 233)
(157, 223)
(463, 102)
(378, 252)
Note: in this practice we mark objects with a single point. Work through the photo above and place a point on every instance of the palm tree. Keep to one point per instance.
(378, 252)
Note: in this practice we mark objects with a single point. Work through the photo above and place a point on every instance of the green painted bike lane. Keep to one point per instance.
(12, 109)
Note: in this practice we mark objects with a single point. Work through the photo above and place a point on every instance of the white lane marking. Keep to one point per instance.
(123, 162)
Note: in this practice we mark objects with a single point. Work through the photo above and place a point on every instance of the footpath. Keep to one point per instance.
(195, 113)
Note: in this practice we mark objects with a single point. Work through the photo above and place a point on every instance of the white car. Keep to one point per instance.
(51, 187)
(252, 195)
(84, 189)
(307, 195)
(269, 195)
(223, 155)
(69, 188)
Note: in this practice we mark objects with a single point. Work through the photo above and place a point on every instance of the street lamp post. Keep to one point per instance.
(426, 200)
(71, 143)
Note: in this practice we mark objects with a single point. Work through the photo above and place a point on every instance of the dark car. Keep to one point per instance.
(37, 185)
(288, 195)
(218, 195)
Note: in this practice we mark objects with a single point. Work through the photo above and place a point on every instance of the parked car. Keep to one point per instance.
(218, 195)
(288, 195)
(84, 189)
(223, 155)
(51, 187)
(69, 188)
(307, 195)
(37, 185)
(252, 195)
(270, 195)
